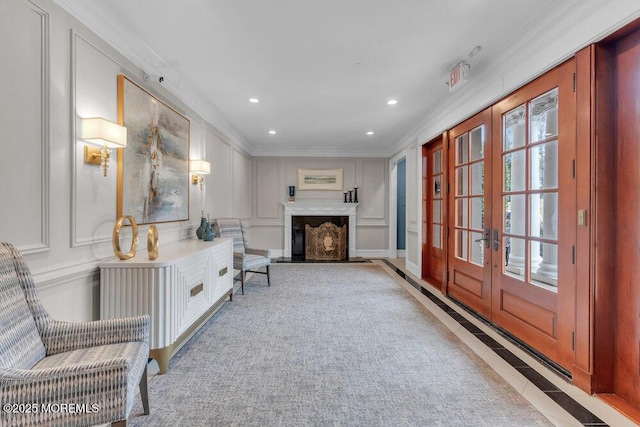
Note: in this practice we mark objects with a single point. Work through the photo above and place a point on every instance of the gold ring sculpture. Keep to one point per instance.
(134, 237)
(152, 242)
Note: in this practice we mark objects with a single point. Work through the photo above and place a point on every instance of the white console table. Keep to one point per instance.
(180, 290)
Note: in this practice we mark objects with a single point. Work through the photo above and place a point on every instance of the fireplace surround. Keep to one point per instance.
(338, 213)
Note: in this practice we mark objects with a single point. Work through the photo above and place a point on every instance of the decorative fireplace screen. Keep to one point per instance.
(325, 243)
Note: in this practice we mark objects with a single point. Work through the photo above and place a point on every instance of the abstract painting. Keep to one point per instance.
(153, 169)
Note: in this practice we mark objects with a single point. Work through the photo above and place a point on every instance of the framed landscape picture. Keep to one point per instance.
(153, 169)
(320, 179)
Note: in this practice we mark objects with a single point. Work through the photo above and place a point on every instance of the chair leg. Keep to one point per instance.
(144, 394)
(268, 277)
(242, 281)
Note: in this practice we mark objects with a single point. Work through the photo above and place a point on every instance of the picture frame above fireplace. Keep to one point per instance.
(320, 179)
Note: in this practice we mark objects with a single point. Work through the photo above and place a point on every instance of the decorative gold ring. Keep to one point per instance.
(134, 237)
(152, 242)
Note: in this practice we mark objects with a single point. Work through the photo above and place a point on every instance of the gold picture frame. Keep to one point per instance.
(320, 179)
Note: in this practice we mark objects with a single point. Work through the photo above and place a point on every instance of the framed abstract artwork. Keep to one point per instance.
(320, 179)
(153, 169)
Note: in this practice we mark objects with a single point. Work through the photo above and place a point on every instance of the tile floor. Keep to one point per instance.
(561, 402)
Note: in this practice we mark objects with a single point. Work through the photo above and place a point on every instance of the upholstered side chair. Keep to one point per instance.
(64, 374)
(245, 258)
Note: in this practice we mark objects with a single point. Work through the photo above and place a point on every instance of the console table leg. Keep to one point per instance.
(162, 356)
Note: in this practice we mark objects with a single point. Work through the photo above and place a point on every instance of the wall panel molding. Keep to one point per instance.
(268, 189)
(28, 215)
(373, 190)
(76, 239)
(64, 273)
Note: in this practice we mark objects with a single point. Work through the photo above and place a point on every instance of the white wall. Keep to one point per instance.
(56, 209)
(273, 176)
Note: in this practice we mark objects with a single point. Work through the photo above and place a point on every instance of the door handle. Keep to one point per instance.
(496, 239)
(485, 239)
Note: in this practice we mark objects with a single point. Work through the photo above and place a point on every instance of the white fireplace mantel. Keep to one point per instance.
(319, 209)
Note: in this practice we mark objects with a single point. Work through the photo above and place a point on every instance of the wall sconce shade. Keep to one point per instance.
(102, 132)
(199, 168)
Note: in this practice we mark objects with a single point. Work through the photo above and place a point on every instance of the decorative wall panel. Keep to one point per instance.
(94, 94)
(373, 190)
(267, 188)
(219, 183)
(241, 185)
(24, 120)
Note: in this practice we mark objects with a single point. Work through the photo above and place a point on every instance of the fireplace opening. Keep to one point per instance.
(298, 235)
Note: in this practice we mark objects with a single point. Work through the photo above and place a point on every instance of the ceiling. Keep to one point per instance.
(322, 70)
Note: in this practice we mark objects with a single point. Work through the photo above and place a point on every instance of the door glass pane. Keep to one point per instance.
(515, 170)
(461, 213)
(544, 215)
(437, 216)
(437, 242)
(476, 143)
(462, 149)
(477, 213)
(543, 116)
(543, 164)
(461, 244)
(515, 214)
(462, 184)
(437, 162)
(514, 261)
(514, 128)
(544, 264)
(477, 249)
(477, 178)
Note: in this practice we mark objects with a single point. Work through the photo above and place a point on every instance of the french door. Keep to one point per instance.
(433, 212)
(512, 213)
(470, 213)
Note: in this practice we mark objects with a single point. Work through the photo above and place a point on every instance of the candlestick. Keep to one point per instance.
(350, 196)
(355, 196)
(345, 197)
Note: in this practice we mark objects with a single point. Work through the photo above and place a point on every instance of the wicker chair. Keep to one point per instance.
(59, 373)
(245, 258)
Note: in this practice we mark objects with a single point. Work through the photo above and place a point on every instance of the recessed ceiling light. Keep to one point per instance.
(370, 132)
(254, 100)
(272, 132)
(392, 102)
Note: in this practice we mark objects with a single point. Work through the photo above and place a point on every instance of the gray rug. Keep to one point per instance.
(329, 345)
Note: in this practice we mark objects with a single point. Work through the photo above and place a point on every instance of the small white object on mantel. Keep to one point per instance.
(320, 208)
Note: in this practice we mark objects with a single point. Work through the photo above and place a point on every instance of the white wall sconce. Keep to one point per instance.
(102, 132)
(199, 168)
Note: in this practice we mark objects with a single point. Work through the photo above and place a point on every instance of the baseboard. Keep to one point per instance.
(372, 253)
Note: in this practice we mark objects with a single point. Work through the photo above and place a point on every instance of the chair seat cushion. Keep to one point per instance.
(255, 261)
(136, 353)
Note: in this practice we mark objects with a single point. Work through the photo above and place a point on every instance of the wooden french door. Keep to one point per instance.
(470, 213)
(512, 213)
(433, 212)
(534, 221)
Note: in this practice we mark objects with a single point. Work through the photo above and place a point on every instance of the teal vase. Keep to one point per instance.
(208, 234)
(203, 226)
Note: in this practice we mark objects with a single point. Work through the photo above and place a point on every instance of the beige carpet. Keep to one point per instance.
(330, 344)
